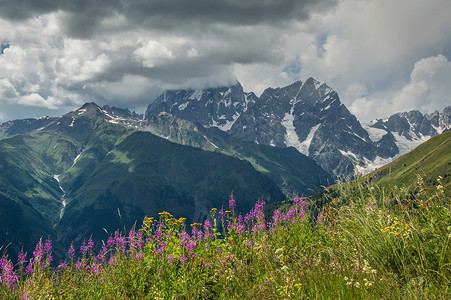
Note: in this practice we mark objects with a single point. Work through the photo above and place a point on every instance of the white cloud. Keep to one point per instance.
(7, 90)
(37, 100)
(428, 90)
(152, 53)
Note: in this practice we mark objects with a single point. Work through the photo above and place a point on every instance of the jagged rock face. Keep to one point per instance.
(120, 112)
(440, 121)
(410, 123)
(217, 107)
(310, 117)
(405, 131)
(413, 124)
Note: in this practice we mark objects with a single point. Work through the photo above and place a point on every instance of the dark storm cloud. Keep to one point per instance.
(84, 17)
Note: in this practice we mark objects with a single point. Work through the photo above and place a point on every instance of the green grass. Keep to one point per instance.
(429, 160)
(367, 247)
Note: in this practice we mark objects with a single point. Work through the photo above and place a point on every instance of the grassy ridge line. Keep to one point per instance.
(417, 173)
(429, 160)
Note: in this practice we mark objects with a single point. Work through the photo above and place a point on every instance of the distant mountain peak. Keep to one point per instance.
(211, 107)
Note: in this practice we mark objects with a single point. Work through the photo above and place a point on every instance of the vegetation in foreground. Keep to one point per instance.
(379, 244)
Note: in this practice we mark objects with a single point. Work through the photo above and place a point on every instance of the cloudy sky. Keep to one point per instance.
(381, 56)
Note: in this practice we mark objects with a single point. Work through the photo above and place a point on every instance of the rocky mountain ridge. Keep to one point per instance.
(308, 116)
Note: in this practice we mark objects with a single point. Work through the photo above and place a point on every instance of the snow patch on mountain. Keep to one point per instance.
(370, 166)
(291, 137)
(196, 95)
(405, 145)
(375, 133)
(349, 154)
(229, 123)
(305, 145)
(183, 106)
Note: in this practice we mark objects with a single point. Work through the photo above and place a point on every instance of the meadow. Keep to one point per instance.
(364, 242)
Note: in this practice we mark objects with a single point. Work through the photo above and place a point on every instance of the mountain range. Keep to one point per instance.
(308, 116)
(99, 169)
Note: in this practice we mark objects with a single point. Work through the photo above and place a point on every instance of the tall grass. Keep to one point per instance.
(366, 243)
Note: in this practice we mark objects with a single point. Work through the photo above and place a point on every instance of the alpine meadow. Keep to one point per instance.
(223, 149)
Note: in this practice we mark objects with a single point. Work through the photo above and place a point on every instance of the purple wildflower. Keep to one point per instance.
(232, 202)
(9, 277)
(207, 225)
(101, 255)
(61, 267)
(83, 249)
(299, 202)
(3, 262)
(222, 214)
(277, 217)
(22, 258)
(112, 260)
(95, 268)
(162, 248)
(48, 247)
(157, 235)
(190, 245)
(184, 238)
(79, 265)
(290, 215)
(121, 243)
(208, 233)
(71, 252)
(237, 228)
(320, 219)
(49, 259)
(38, 253)
(197, 234)
(110, 242)
(90, 245)
(29, 270)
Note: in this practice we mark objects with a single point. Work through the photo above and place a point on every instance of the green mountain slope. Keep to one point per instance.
(429, 161)
(29, 194)
(415, 175)
(293, 172)
(144, 174)
(112, 176)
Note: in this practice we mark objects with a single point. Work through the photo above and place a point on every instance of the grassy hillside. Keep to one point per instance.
(414, 175)
(428, 161)
(143, 174)
(112, 178)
